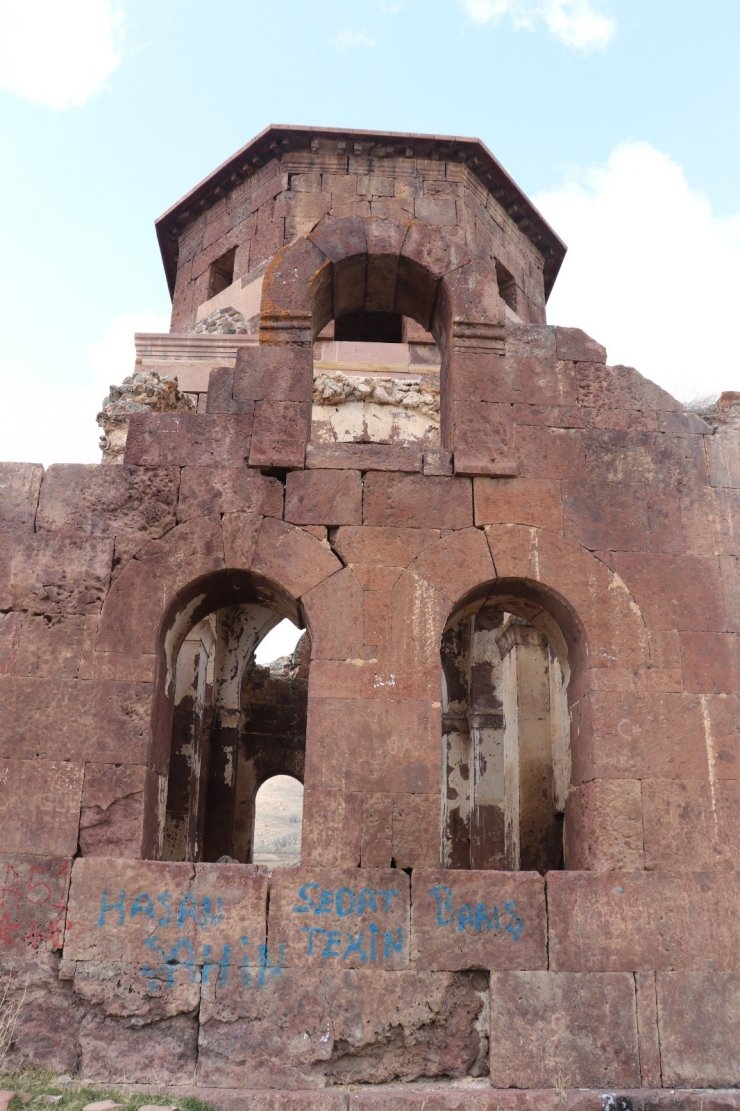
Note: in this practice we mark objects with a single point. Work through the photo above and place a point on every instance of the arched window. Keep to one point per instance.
(506, 735)
(227, 717)
(277, 821)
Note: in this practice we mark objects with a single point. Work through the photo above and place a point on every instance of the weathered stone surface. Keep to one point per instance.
(634, 456)
(20, 484)
(619, 523)
(417, 502)
(166, 918)
(112, 811)
(331, 835)
(33, 896)
(690, 826)
(280, 434)
(574, 344)
(310, 1028)
(122, 1050)
(562, 1029)
(145, 392)
(293, 558)
(636, 921)
(523, 501)
(620, 387)
(697, 1018)
(54, 573)
(383, 546)
(415, 830)
(456, 564)
(469, 919)
(274, 373)
(205, 490)
(365, 457)
(710, 661)
(603, 825)
(68, 719)
(647, 1029)
(340, 918)
(188, 439)
(40, 806)
(45, 1033)
(109, 501)
(50, 646)
(333, 609)
(323, 497)
(398, 1098)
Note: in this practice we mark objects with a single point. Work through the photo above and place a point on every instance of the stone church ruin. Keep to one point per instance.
(513, 707)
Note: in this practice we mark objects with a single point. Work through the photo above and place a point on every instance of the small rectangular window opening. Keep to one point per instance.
(221, 274)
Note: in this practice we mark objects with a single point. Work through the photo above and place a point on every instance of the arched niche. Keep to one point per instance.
(204, 716)
(278, 815)
(509, 652)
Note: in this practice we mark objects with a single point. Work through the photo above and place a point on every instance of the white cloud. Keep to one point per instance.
(391, 7)
(59, 52)
(651, 272)
(346, 40)
(576, 23)
(45, 422)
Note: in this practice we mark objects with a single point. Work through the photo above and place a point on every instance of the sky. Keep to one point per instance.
(619, 118)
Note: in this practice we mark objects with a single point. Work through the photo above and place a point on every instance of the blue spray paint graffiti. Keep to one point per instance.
(475, 918)
(369, 942)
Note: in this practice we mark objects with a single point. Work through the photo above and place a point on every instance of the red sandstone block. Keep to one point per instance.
(280, 434)
(634, 456)
(593, 1041)
(364, 457)
(323, 497)
(468, 919)
(292, 557)
(227, 490)
(383, 546)
(20, 484)
(334, 613)
(691, 825)
(332, 820)
(33, 897)
(697, 1018)
(415, 830)
(436, 461)
(534, 341)
(638, 921)
(551, 416)
(723, 459)
(647, 1028)
(10, 635)
(385, 734)
(620, 387)
(40, 806)
(149, 913)
(417, 501)
(282, 373)
(339, 918)
(711, 661)
(338, 1027)
(220, 397)
(603, 825)
(241, 533)
(456, 564)
(112, 811)
(69, 719)
(50, 646)
(376, 850)
(341, 679)
(674, 592)
(574, 344)
(618, 522)
(123, 1051)
(188, 439)
(108, 501)
(552, 453)
(524, 501)
(47, 573)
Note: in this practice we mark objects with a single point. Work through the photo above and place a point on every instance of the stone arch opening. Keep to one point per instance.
(277, 821)
(223, 724)
(509, 653)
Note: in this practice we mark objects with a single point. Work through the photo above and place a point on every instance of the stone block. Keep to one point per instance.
(331, 828)
(50, 646)
(10, 635)
(323, 497)
(108, 501)
(339, 918)
(563, 1029)
(205, 490)
(240, 532)
(189, 439)
(283, 373)
(710, 661)
(523, 501)
(377, 830)
(46, 1029)
(603, 825)
(691, 825)
(168, 919)
(33, 897)
(550, 453)
(639, 921)
(697, 1019)
(416, 834)
(334, 613)
(620, 387)
(629, 455)
(68, 719)
(723, 459)
(40, 806)
(280, 434)
(292, 557)
(575, 345)
(616, 523)
(456, 564)
(674, 592)
(20, 484)
(383, 546)
(469, 919)
(385, 734)
(112, 813)
(436, 461)
(364, 457)
(54, 573)
(306, 1028)
(120, 1051)
(417, 501)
